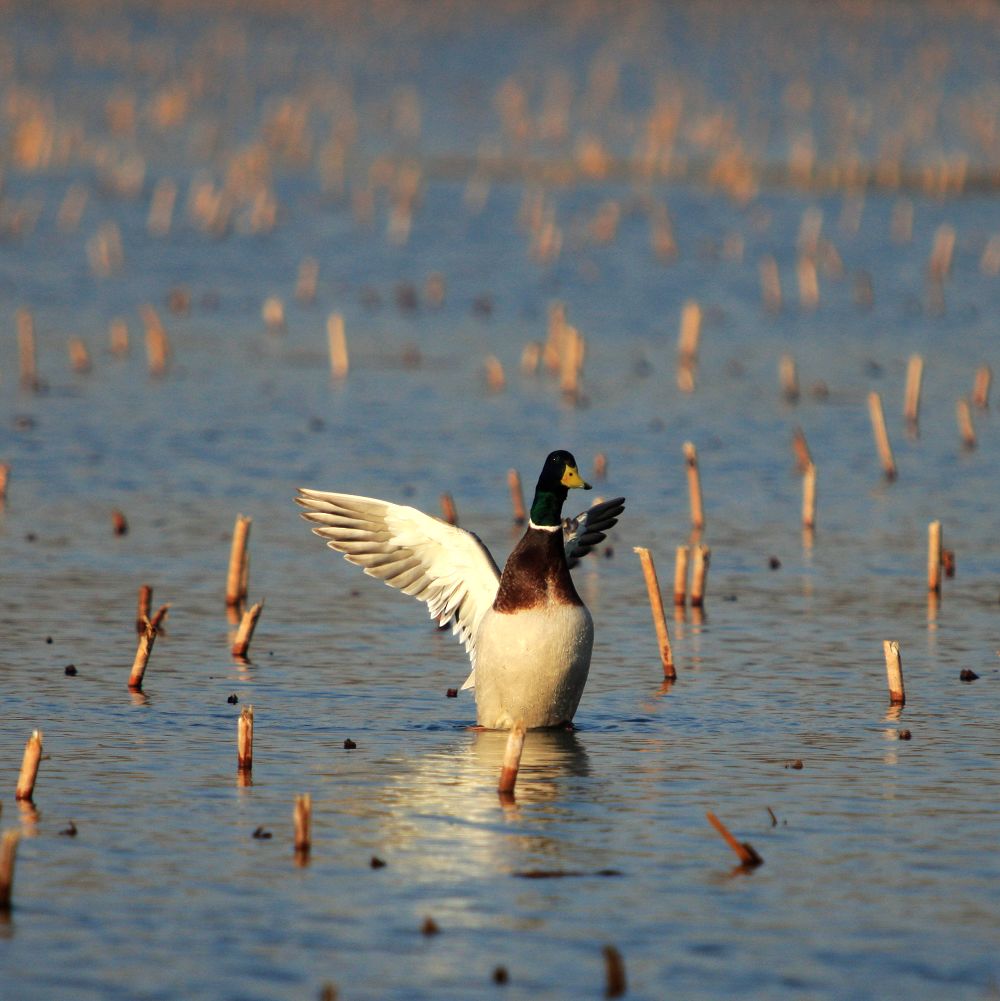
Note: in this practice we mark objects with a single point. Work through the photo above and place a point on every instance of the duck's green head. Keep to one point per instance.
(559, 474)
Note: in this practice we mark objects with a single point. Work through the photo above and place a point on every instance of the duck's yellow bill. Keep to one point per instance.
(572, 478)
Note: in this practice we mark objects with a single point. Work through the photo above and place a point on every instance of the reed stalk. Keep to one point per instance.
(656, 607)
(29, 767)
(511, 759)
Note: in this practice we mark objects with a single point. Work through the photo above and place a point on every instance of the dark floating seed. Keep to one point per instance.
(452, 693)
(349, 744)
(429, 927)
(774, 563)
(377, 863)
(69, 670)
(966, 675)
(796, 764)
(70, 831)
(261, 834)
(48, 639)
(233, 699)
(904, 734)
(500, 975)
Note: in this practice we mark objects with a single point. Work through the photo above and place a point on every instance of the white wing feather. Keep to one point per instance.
(444, 566)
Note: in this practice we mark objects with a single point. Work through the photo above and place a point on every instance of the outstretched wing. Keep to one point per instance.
(447, 567)
(589, 528)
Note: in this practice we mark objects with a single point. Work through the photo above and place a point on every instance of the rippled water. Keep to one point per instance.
(880, 864)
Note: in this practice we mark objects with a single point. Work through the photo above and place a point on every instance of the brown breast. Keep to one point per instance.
(536, 574)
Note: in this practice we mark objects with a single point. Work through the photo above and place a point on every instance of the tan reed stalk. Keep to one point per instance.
(981, 387)
(770, 284)
(690, 333)
(699, 573)
(302, 818)
(8, 857)
(942, 251)
(516, 496)
(145, 648)
(656, 607)
(511, 759)
(877, 416)
(337, 340)
(803, 457)
(272, 312)
(26, 349)
(788, 376)
(29, 766)
(244, 740)
(745, 852)
(965, 427)
(144, 606)
(681, 562)
(894, 672)
(4, 480)
(118, 337)
(236, 578)
(448, 511)
(248, 623)
(600, 466)
(157, 346)
(119, 523)
(495, 380)
(934, 554)
(914, 377)
(809, 497)
(305, 284)
(552, 350)
(614, 973)
(531, 358)
(79, 356)
(571, 362)
(694, 486)
(808, 283)
(161, 207)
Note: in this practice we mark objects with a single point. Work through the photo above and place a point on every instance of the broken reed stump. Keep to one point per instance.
(788, 377)
(8, 856)
(119, 523)
(681, 561)
(238, 575)
(809, 497)
(145, 648)
(248, 623)
(79, 356)
(877, 416)
(965, 427)
(911, 399)
(337, 341)
(656, 607)
(302, 819)
(145, 606)
(614, 973)
(244, 740)
(495, 379)
(803, 457)
(600, 466)
(981, 387)
(29, 767)
(511, 759)
(770, 284)
(894, 673)
(934, 557)
(808, 283)
(694, 486)
(690, 333)
(4, 479)
(26, 349)
(516, 496)
(448, 511)
(745, 852)
(118, 337)
(157, 346)
(572, 351)
(699, 573)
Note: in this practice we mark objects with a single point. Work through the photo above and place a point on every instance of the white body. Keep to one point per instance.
(532, 665)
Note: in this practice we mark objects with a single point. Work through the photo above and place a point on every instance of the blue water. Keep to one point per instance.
(880, 867)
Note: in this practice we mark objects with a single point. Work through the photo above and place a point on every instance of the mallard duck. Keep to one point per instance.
(527, 633)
